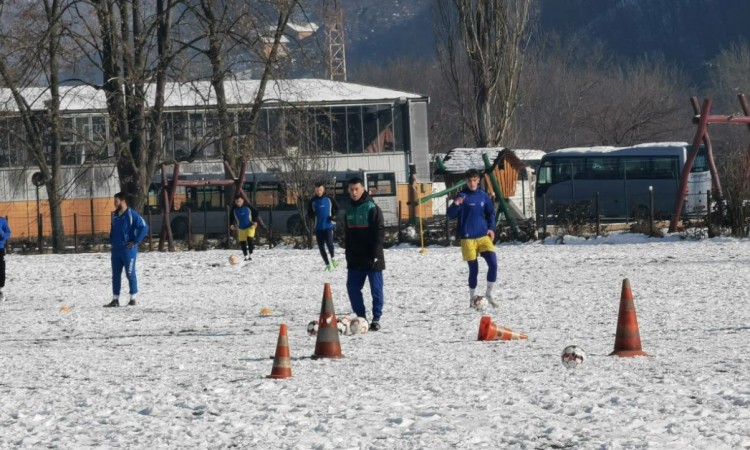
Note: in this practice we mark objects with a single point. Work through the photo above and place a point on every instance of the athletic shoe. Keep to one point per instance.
(2, 296)
(113, 304)
(131, 302)
(248, 258)
(328, 268)
(491, 300)
(375, 325)
(334, 263)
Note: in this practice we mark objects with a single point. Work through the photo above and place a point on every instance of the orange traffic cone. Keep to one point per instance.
(489, 331)
(628, 338)
(327, 344)
(282, 365)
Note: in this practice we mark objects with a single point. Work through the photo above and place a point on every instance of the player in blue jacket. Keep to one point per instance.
(128, 230)
(476, 229)
(323, 209)
(4, 236)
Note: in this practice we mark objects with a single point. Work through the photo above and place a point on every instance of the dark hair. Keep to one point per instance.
(355, 180)
(237, 195)
(319, 184)
(122, 196)
(472, 173)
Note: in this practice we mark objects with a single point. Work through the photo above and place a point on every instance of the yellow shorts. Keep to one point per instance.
(470, 248)
(242, 235)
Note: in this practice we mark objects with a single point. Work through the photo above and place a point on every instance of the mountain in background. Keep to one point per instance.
(688, 33)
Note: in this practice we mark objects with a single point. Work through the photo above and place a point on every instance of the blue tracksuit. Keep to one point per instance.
(322, 209)
(475, 215)
(128, 227)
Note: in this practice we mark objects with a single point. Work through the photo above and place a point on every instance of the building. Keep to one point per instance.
(342, 126)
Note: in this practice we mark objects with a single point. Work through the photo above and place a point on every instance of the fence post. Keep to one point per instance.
(598, 216)
(75, 233)
(189, 234)
(544, 216)
(651, 211)
(708, 214)
(150, 242)
(226, 227)
(447, 224)
(93, 219)
(39, 231)
(399, 221)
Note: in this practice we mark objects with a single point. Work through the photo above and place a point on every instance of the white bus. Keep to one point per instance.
(571, 178)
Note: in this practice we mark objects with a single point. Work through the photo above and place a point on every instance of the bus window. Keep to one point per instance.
(206, 197)
(664, 168)
(381, 184)
(267, 194)
(600, 169)
(637, 168)
(544, 175)
(701, 163)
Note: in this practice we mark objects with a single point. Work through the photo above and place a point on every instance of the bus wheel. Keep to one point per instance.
(294, 225)
(179, 228)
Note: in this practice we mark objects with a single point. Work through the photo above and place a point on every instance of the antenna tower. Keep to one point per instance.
(336, 49)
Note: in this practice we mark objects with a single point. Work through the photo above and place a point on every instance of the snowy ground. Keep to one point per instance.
(186, 368)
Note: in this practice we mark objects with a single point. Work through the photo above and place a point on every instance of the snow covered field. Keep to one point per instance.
(186, 367)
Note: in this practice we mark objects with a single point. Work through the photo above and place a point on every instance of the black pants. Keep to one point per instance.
(248, 246)
(325, 239)
(2, 268)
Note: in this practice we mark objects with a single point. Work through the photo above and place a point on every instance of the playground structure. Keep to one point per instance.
(703, 118)
(503, 173)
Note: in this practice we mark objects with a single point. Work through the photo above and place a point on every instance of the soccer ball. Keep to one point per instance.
(234, 260)
(479, 303)
(343, 324)
(359, 325)
(312, 328)
(573, 356)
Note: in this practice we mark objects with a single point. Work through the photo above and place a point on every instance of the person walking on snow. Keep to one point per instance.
(476, 229)
(4, 237)
(245, 219)
(127, 231)
(364, 237)
(323, 209)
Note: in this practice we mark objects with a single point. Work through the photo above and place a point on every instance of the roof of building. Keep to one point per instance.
(459, 160)
(200, 94)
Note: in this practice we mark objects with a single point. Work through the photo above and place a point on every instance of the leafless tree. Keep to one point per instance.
(129, 41)
(32, 43)
(577, 96)
(481, 46)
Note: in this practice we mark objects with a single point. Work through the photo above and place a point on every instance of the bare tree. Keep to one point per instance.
(130, 42)
(577, 96)
(33, 44)
(481, 47)
(226, 28)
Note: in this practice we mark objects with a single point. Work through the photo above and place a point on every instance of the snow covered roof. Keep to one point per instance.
(666, 146)
(200, 94)
(459, 160)
(303, 28)
(529, 155)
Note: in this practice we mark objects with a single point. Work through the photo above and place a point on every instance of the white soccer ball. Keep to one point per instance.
(359, 325)
(479, 303)
(234, 260)
(312, 328)
(343, 325)
(573, 356)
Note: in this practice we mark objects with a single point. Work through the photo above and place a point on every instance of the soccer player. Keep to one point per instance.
(244, 218)
(127, 231)
(476, 229)
(4, 236)
(323, 209)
